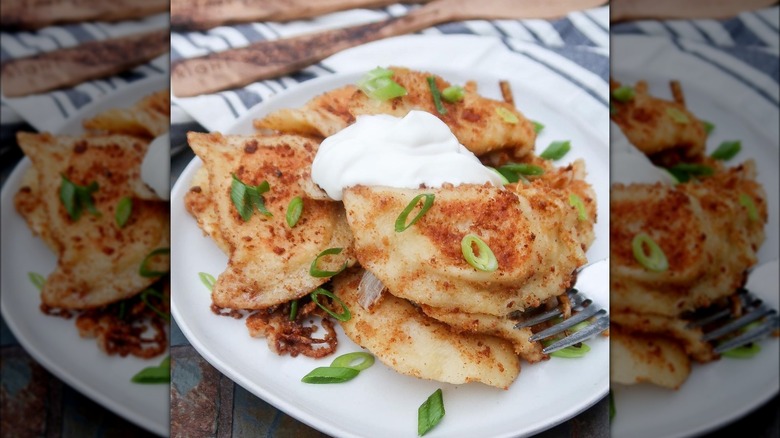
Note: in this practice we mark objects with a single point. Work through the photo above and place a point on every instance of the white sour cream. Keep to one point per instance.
(382, 150)
(630, 165)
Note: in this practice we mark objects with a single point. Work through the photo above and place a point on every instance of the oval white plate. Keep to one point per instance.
(381, 402)
(722, 391)
(55, 342)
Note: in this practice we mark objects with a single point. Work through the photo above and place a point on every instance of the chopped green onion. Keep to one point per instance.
(145, 271)
(293, 310)
(430, 413)
(314, 271)
(623, 94)
(294, 210)
(537, 126)
(683, 172)
(207, 279)
(677, 115)
(708, 127)
(122, 309)
(507, 115)
(504, 179)
(746, 201)
(485, 261)
(744, 352)
(436, 95)
(572, 352)
(245, 198)
(36, 279)
(556, 150)
(346, 360)
(612, 410)
(76, 198)
(655, 261)
(123, 210)
(321, 375)
(727, 150)
(145, 298)
(378, 84)
(346, 315)
(156, 374)
(400, 222)
(576, 202)
(453, 93)
(514, 171)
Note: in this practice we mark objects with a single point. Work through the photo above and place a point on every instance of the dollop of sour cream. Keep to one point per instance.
(382, 150)
(629, 165)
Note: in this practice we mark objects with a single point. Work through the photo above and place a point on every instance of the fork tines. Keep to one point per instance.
(583, 309)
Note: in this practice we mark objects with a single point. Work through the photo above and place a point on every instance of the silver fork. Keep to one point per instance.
(582, 308)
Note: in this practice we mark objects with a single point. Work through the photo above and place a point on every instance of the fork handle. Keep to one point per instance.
(268, 59)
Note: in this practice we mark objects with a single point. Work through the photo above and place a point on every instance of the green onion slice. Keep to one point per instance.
(145, 298)
(537, 126)
(321, 375)
(293, 310)
(504, 179)
(76, 198)
(572, 352)
(436, 95)
(746, 201)
(513, 172)
(246, 198)
(486, 261)
(576, 202)
(612, 410)
(400, 222)
(655, 261)
(207, 279)
(123, 210)
(378, 72)
(36, 279)
(314, 271)
(727, 150)
(345, 315)
(294, 210)
(507, 116)
(430, 413)
(347, 360)
(145, 271)
(378, 84)
(677, 115)
(453, 93)
(744, 352)
(122, 309)
(708, 126)
(556, 150)
(156, 374)
(623, 94)
(683, 172)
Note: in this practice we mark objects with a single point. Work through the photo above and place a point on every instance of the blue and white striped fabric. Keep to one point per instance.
(49, 111)
(578, 42)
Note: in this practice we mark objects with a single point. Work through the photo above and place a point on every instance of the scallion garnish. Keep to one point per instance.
(612, 410)
(746, 201)
(572, 352)
(485, 261)
(507, 116)
(207, 279)
(122, 309)
(556, 150)
(537, 126)
(655, 261)
(677, 115)
(294, 210)
(708, 126)
(36, 279)
(314, 271)
(400, 222)
(453, 93)
(347, 360)
(430, 413)
(504, 180)
(293, 310)
(436, 95)
(727, 150)
(123, 210)
(623, 94)
(76, 198)
(145, 298)
(683, 172)
(744, 352)
(378, 84)
(245, 198)
(576, 202)
(330, 375)
(157, 374)
(345, 315)
(145, 271)
(514, 171)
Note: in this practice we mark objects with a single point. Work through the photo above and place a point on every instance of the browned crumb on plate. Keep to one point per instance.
(294, 337)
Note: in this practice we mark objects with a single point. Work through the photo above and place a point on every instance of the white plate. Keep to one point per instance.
(722, 391)
(381, 402)
(55, 342)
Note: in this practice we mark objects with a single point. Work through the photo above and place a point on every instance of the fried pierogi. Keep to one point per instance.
(269, 261)
(98, 260)
(410, 342)
(642, 358)
(148, 118)
(532, 234)
(477, 122)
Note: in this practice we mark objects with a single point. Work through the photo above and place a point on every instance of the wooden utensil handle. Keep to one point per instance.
(673, 9)
(268, 59)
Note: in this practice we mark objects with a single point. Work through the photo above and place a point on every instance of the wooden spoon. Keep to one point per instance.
(622, 10)
(268, 59)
